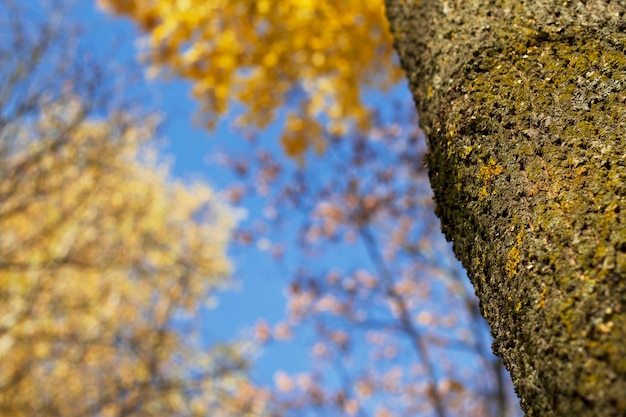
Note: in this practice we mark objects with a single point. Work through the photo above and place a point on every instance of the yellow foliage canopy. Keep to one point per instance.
(318, 55)
(99, 253)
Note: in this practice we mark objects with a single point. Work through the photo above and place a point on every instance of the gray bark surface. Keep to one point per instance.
(524, 106)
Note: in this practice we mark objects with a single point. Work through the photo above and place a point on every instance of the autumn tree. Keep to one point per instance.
(266, 56)
(524, 106)
(308, 67)
(103, 258)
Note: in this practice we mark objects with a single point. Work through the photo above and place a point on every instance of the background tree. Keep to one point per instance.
(103, 258)
(396, 327)
(320, 61)
(523, 105)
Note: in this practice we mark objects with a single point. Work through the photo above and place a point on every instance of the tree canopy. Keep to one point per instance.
(317, 57)
(103, 257)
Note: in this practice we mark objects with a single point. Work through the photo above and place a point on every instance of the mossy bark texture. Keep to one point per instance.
(524, 106)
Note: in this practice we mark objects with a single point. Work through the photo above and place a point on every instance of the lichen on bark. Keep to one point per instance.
(524, 106)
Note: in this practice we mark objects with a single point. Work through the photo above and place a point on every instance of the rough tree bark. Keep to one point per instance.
(524, 106)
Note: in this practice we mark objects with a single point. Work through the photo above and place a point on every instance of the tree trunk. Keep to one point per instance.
(524, 106)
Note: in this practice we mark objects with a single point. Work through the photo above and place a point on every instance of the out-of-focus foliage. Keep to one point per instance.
(396, 326)
(317, 56)
(103, 258)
